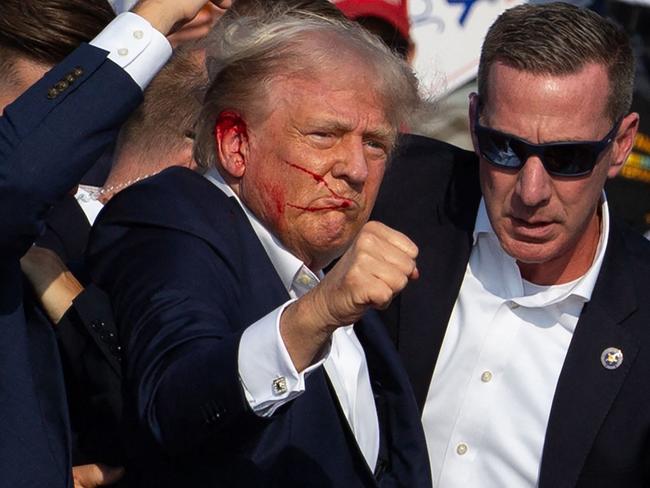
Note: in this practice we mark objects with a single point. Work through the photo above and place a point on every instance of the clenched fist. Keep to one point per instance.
(378, 265)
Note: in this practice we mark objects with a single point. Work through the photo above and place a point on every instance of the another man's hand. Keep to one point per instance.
(378, 265)
(169, 15)
(198, 27)
(54, 284)
(94, 475)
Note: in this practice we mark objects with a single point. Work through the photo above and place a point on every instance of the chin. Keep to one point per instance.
(529, 252)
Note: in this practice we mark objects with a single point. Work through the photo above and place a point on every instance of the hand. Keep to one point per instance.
(52, 281)
(378, 265)
(198, 27)
(169, 15)
(93, 475)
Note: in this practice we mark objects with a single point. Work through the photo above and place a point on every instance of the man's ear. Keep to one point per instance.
(472, 115)
(623, 143)
(231, 137)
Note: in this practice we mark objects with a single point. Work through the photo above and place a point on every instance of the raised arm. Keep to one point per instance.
(52, 133)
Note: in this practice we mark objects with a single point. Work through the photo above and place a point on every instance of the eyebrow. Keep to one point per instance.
(337, 126)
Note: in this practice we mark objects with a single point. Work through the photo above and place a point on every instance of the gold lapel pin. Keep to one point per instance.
(611, 358)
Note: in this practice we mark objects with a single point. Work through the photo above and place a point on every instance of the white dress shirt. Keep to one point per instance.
(490, 397)
(134, 45)
(266, 371)
(86, 197)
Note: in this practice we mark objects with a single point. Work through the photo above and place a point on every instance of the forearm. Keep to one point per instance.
(305, 330)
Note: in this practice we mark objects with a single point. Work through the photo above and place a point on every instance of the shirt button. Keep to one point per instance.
(123, 51)
(461, 449)
(514, 306)
(138, 34)
(486, 377)
(306, 280)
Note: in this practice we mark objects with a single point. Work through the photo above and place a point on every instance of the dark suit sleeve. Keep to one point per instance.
(91, 356)
(49, 139)
(90, 320)
(177, 301)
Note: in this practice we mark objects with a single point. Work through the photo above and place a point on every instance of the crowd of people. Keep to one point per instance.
(226, 262)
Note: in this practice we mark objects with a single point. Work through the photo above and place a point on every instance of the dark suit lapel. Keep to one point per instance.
(426, 304)
(586, 389)
(445, 243)
(402, 445)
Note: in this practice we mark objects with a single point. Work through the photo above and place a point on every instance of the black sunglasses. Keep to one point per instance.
(570, 158)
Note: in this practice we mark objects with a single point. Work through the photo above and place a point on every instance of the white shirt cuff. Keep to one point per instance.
(134, 45)
(266, 371)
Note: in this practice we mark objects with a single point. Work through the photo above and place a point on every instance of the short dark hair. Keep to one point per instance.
(560, 39)
(46, 31)
(172, 102)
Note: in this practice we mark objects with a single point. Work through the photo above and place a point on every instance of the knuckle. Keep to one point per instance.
(402, 282)
(366, 241)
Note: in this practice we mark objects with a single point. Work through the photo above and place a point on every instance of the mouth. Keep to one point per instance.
(535, 229)
(343, 204)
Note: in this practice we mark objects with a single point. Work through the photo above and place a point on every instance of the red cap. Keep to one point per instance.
(394, 12)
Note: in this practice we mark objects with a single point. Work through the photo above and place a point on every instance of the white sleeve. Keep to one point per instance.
(134, 45)
(266, 371)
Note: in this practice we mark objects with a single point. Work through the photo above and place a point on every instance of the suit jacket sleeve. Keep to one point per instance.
(178, 304)
(48, 140)
(91, 356)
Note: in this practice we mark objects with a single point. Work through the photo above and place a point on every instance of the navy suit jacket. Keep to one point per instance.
(47, 142)
(88, 344)
(187, 275)
(598, 433)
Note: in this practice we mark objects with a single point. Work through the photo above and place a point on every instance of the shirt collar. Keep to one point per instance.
(286, 264)
(583, 286)
(482, 225)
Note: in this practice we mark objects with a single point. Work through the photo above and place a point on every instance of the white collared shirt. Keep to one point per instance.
(86, 197)
(134, 45)
(263, 357)
(490, 397)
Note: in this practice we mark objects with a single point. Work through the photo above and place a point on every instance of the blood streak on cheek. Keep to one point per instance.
(345, 202)
(277, 201)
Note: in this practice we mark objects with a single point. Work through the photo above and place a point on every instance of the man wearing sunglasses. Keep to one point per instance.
(527, 336)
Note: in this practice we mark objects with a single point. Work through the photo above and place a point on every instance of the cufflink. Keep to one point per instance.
(611, 358)
(279, 385)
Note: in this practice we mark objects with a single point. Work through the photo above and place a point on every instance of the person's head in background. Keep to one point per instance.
(387, 19)
(160, 132)
(37, 34)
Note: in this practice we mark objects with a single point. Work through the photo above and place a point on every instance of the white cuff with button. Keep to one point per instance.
(266, 371)
(134, 45)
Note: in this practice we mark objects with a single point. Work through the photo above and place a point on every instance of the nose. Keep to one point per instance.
(352, 164)
(533, 183)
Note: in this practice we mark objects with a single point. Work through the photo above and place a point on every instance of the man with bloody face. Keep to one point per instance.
(245, 366)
